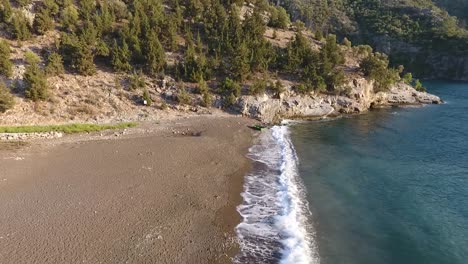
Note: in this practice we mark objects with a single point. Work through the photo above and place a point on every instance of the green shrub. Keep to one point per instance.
(418, 86)
(146, 97)
(207, 99)
(363, 50)
(408, 78)
(347, 42)
(229, 100)
(229, 86)
(278, 87)
(202, 86)
(258, 87)
(183, 97)
(137, 80)
(318, 34)
(303, 88)
(68, 129)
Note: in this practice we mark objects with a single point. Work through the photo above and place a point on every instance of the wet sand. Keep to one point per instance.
(150, 197)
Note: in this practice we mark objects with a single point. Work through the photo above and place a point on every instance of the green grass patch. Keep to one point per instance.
(68, 129)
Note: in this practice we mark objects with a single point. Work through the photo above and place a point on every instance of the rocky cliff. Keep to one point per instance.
(360, 98)
(423, 62)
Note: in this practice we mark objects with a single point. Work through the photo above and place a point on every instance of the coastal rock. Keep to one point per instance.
(262, 108)
(401, 94)
(269, 110)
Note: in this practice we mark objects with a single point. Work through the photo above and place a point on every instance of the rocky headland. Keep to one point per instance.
(360, 98)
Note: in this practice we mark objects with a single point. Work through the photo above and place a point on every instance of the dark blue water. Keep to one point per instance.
(390, 186)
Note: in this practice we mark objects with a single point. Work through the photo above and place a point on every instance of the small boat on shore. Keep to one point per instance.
(258, 127)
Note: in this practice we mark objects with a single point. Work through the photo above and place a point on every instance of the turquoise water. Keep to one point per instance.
(390, 186)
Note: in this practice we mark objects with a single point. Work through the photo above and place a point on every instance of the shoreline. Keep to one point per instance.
(166, 193)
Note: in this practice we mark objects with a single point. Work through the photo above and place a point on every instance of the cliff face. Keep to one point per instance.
(446, 66)
(359, 99)
(423, 62)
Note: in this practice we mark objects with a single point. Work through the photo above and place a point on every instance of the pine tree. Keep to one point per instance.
(279, 18)
(193, 8)
(85, 60)
(54, 65)
(169, 32)
(207, 99)
(298, 53)
(195, 62)
(52, 7)
(375, 66)
(240, 67)
(86, 8)
(5, 62)
(36, 87)
(215, 22)
(21, 29)
(6, 98)
(205, 92)
(69, 18)
(43, 21)
(234, 33)
(121, 56)
(155, 57)
(5, 11)
(261, 53)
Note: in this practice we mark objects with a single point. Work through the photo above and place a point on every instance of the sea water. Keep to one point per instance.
(389, 186)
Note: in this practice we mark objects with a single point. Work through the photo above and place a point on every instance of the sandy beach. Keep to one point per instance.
(165, 193)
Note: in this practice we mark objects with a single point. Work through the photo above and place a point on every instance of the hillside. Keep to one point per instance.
(109, 61)
(424, 35)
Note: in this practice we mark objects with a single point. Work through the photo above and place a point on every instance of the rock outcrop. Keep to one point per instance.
(360, 98)
(402, 94)
(271, 110)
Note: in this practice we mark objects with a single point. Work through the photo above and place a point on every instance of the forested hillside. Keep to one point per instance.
(215, 50)
(425, 35)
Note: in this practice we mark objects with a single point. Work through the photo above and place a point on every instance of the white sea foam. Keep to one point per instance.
(275, 212)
